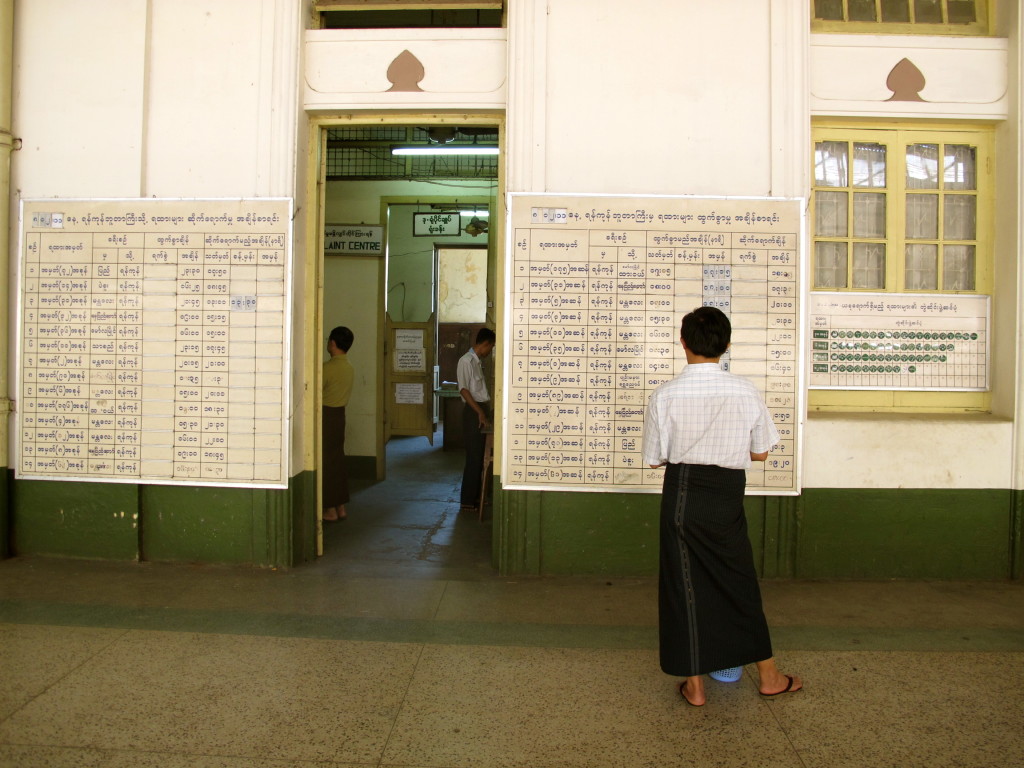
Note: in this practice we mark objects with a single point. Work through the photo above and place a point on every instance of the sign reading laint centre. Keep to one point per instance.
(154, 341)
(354, 239)
(597, 287)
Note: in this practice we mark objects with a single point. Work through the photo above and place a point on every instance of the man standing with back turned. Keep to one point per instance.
(475, 416)
(706, 426)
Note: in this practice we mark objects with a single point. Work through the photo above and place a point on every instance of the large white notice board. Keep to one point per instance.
(153, 341)
(597, 287)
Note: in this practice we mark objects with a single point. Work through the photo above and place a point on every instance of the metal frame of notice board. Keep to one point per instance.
(688, 222)
(244, 219)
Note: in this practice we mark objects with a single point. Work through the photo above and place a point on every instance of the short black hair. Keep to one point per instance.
(485, 334)
(706, 332)
(342, 338)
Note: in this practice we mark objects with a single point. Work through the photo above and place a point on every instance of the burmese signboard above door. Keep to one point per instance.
(436, 224)
(354, 239)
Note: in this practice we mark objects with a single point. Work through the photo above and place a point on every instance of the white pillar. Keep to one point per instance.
(526, 144)
(790, 103)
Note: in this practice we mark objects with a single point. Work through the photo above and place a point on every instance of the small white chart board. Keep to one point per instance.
(154, 341)
(927, 341)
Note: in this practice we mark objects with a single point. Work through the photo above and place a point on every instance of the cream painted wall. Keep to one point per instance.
(652, 97)
(195, 98)
(203, 98)
(1006, 376)
(79, 111)
(103, 116)
(969, 79)
(965, 77)
(351, 288)
(901, 451)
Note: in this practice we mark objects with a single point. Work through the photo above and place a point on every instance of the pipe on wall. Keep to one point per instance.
(6, 145)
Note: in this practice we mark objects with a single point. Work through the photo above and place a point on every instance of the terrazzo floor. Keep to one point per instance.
(401, 647)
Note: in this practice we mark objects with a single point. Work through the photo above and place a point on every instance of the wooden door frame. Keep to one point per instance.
(316, 183)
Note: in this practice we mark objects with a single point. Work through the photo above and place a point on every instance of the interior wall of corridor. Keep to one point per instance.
(353, 286)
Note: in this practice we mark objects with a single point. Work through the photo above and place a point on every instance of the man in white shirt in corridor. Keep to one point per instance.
(475, 416)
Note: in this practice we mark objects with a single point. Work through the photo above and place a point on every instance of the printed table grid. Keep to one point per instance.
(594, 329)
(152, 355)
(906, 342)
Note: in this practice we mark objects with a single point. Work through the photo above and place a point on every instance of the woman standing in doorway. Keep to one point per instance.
(337, 388)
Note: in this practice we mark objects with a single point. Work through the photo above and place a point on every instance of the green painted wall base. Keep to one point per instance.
(821, 534)
(114, 521)
(1017, 536)
(95, 520)
(905, 534)
(5, 512)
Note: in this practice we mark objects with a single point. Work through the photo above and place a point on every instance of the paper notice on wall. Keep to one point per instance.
(409, 394)
(155, 341)
(928, 342)
(408, 338)
(596, 289)
(410, 360)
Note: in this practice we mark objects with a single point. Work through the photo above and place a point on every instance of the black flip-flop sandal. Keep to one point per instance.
(787, 689)
(680, 689)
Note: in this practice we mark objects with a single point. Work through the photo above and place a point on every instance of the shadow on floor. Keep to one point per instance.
(409, 524)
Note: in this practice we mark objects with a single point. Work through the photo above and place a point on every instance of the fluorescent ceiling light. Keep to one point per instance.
(445, 149)
(478, 214)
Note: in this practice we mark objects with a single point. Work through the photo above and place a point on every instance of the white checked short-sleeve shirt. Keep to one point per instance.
(707, 416)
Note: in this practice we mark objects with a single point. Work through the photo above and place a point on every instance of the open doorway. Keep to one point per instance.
(436, 299)
(429, 213)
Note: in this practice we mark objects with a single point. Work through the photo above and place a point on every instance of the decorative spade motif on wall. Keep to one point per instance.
(405, 73)
(905, 81)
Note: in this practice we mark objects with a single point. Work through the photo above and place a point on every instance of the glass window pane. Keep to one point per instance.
(921, 267)
(830, 217)
(959, 167)
(861, 10)
(928, 11)
(830, 164)
(958, 268)
(831, 10)
(868, 214)
(895, 10)
(959, 217)
(923, 217)
(923, 166)
(869, 265)
(830, 265)
(961, 11)
(869, 165)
